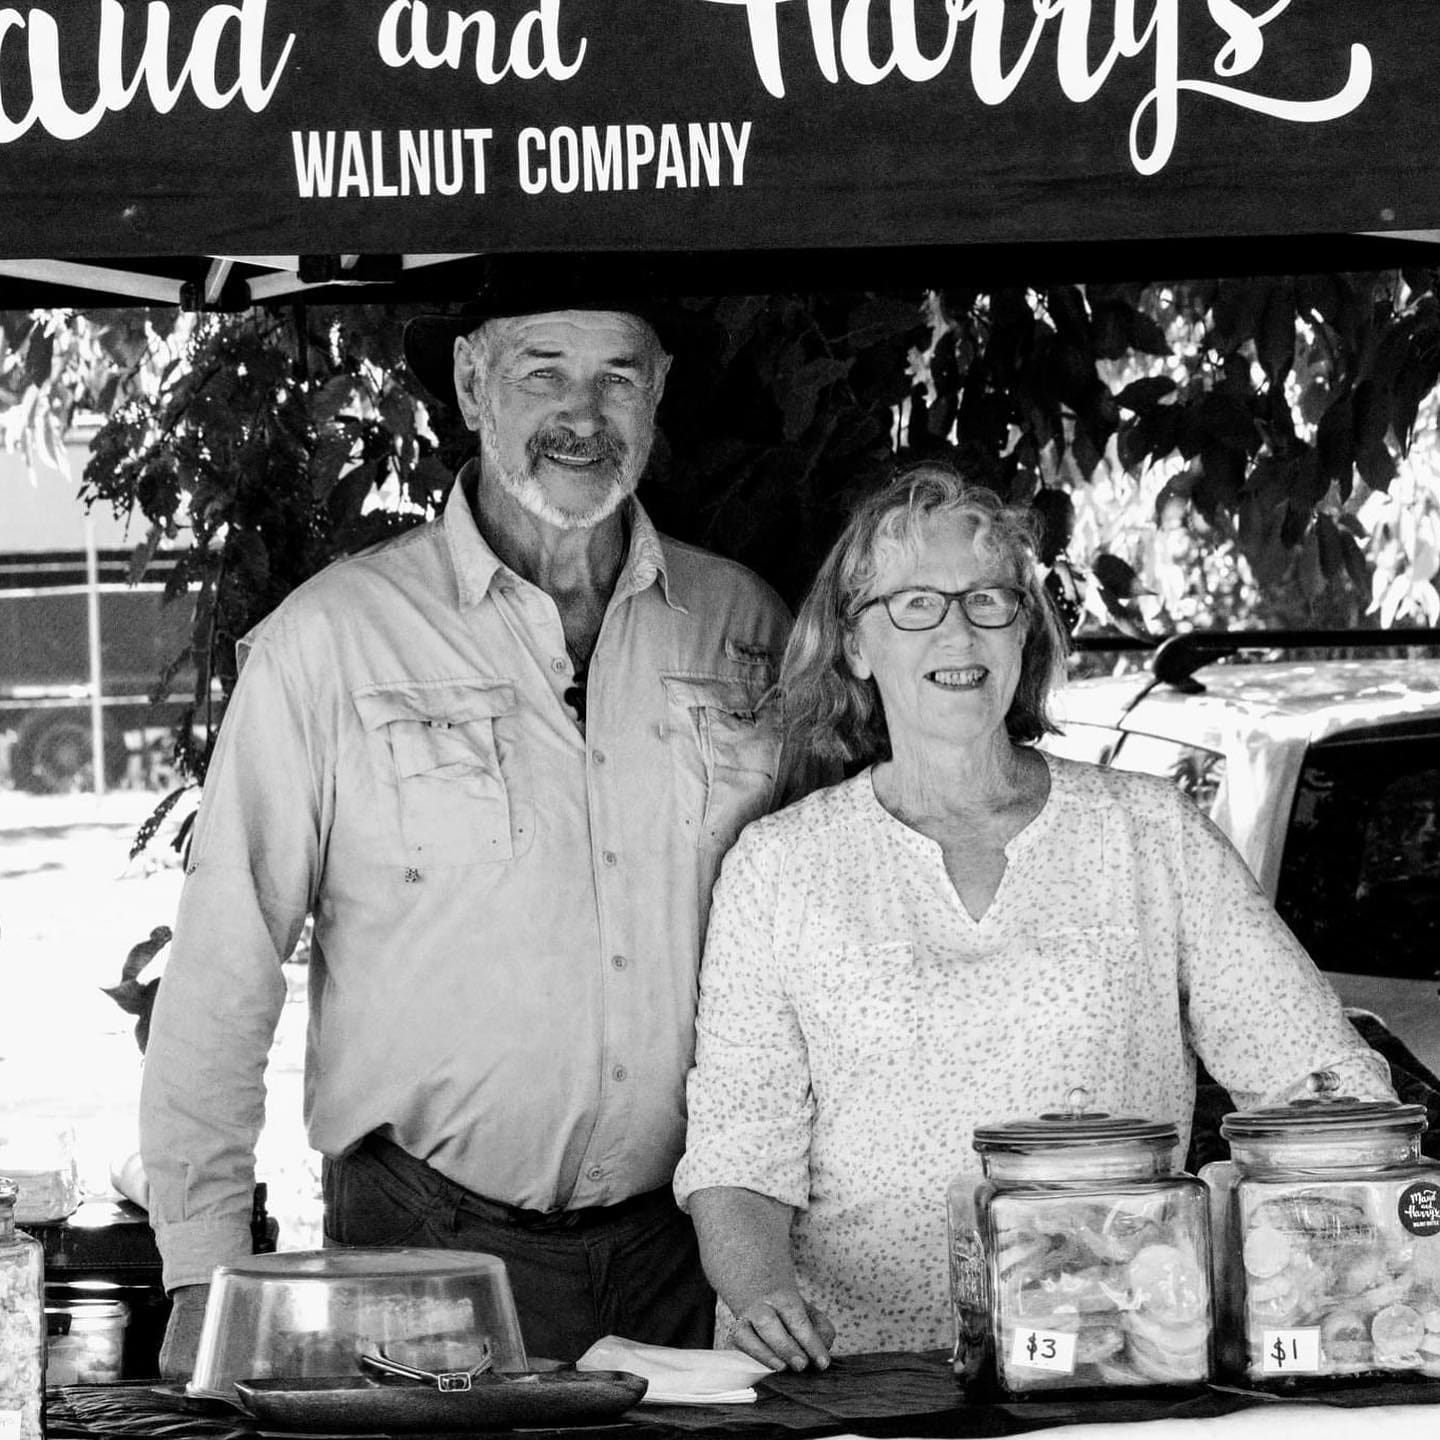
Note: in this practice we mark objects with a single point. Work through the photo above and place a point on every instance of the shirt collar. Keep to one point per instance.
(477, 565)
(646, 562)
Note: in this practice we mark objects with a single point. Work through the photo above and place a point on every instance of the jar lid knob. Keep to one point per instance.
(1077, 1102)
(1321, 1083)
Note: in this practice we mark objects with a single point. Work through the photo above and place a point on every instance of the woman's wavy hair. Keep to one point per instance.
(835, 716)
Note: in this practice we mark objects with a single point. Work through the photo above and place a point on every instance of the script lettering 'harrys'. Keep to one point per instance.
(227, 40)
(1005, 36)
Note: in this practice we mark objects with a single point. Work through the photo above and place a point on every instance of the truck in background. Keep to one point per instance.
(81, 648)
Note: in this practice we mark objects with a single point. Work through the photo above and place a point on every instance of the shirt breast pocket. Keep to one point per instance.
(447, 751)
(728, 756)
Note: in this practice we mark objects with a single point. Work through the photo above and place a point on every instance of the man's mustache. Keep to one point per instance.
(602, 446)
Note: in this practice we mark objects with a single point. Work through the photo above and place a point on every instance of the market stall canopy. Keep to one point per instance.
(251, 151)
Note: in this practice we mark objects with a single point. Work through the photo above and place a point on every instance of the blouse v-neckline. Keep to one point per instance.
(1023, 840)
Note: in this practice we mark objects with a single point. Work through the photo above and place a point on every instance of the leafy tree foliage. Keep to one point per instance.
(1235, 431)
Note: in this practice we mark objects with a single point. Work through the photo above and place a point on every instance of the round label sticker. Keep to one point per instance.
(1419, 1208)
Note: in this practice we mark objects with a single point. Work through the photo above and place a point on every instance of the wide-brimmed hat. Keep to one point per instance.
(530, 285)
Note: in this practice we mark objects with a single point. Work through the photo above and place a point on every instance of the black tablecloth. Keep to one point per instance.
(873, 1395)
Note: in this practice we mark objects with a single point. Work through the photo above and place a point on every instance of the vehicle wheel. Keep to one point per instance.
(51, 753)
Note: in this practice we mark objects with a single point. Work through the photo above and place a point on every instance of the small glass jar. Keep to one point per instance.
(22, 1325)
(1079, 1259)
(85, 1341)
(1326, 1225)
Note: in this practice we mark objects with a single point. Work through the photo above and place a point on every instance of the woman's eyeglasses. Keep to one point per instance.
(990, 607)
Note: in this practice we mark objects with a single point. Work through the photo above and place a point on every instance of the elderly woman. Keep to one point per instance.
(958, 934)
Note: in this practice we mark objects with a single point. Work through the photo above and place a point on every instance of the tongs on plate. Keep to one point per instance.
(388, 1368)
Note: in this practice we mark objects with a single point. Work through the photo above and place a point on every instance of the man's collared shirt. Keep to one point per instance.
(508, 909)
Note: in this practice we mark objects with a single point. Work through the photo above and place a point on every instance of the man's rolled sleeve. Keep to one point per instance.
(246, 894)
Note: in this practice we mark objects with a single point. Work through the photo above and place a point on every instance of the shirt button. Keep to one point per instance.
(619, 1072)
(619, 961)
(595, 1173)
(558, 664)
(610, 857)
(598, 756)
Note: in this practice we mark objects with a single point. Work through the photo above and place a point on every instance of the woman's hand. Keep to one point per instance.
(782, 1331)
(745, 1246)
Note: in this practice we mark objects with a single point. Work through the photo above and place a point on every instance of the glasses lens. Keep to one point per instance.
(991, 609)
(916, 609)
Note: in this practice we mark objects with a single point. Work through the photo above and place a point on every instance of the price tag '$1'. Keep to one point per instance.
(1290, 1352)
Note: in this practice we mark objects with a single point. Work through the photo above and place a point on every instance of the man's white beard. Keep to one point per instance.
(522, 486)
(529, 494)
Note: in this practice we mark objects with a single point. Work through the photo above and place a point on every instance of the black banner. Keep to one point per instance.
(418, 126)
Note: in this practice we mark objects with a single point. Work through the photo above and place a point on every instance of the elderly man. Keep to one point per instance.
(498, 760)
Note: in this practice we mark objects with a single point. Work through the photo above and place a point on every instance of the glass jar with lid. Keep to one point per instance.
(22, 1325)
(1326, 1225)
(40, 1158)
(1079, 1258)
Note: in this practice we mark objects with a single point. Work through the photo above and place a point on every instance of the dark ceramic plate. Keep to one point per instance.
(352, 1404)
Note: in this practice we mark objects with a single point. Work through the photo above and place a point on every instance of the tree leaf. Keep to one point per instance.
(1221, 481)
(1227, 421)
(882, 317)
(1145, 335)
(338, 392)
(1335, 442)
(1111, 330)
(1086, 455)
(1057, 520)
(1294, 525)
(1144, 395)
(1275, 338)
(39, 356)
(350, 493)
(1098, 413)
(1355, 563)
(1236, 313)
(332, 455)
(1117, 577)
(1331, 547)
(1319, 297)
(143, 554)
(1067, 308)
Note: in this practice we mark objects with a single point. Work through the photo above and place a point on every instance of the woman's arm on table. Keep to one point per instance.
(745, 1239)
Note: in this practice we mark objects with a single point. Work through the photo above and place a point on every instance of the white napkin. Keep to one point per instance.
(676, 1376)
